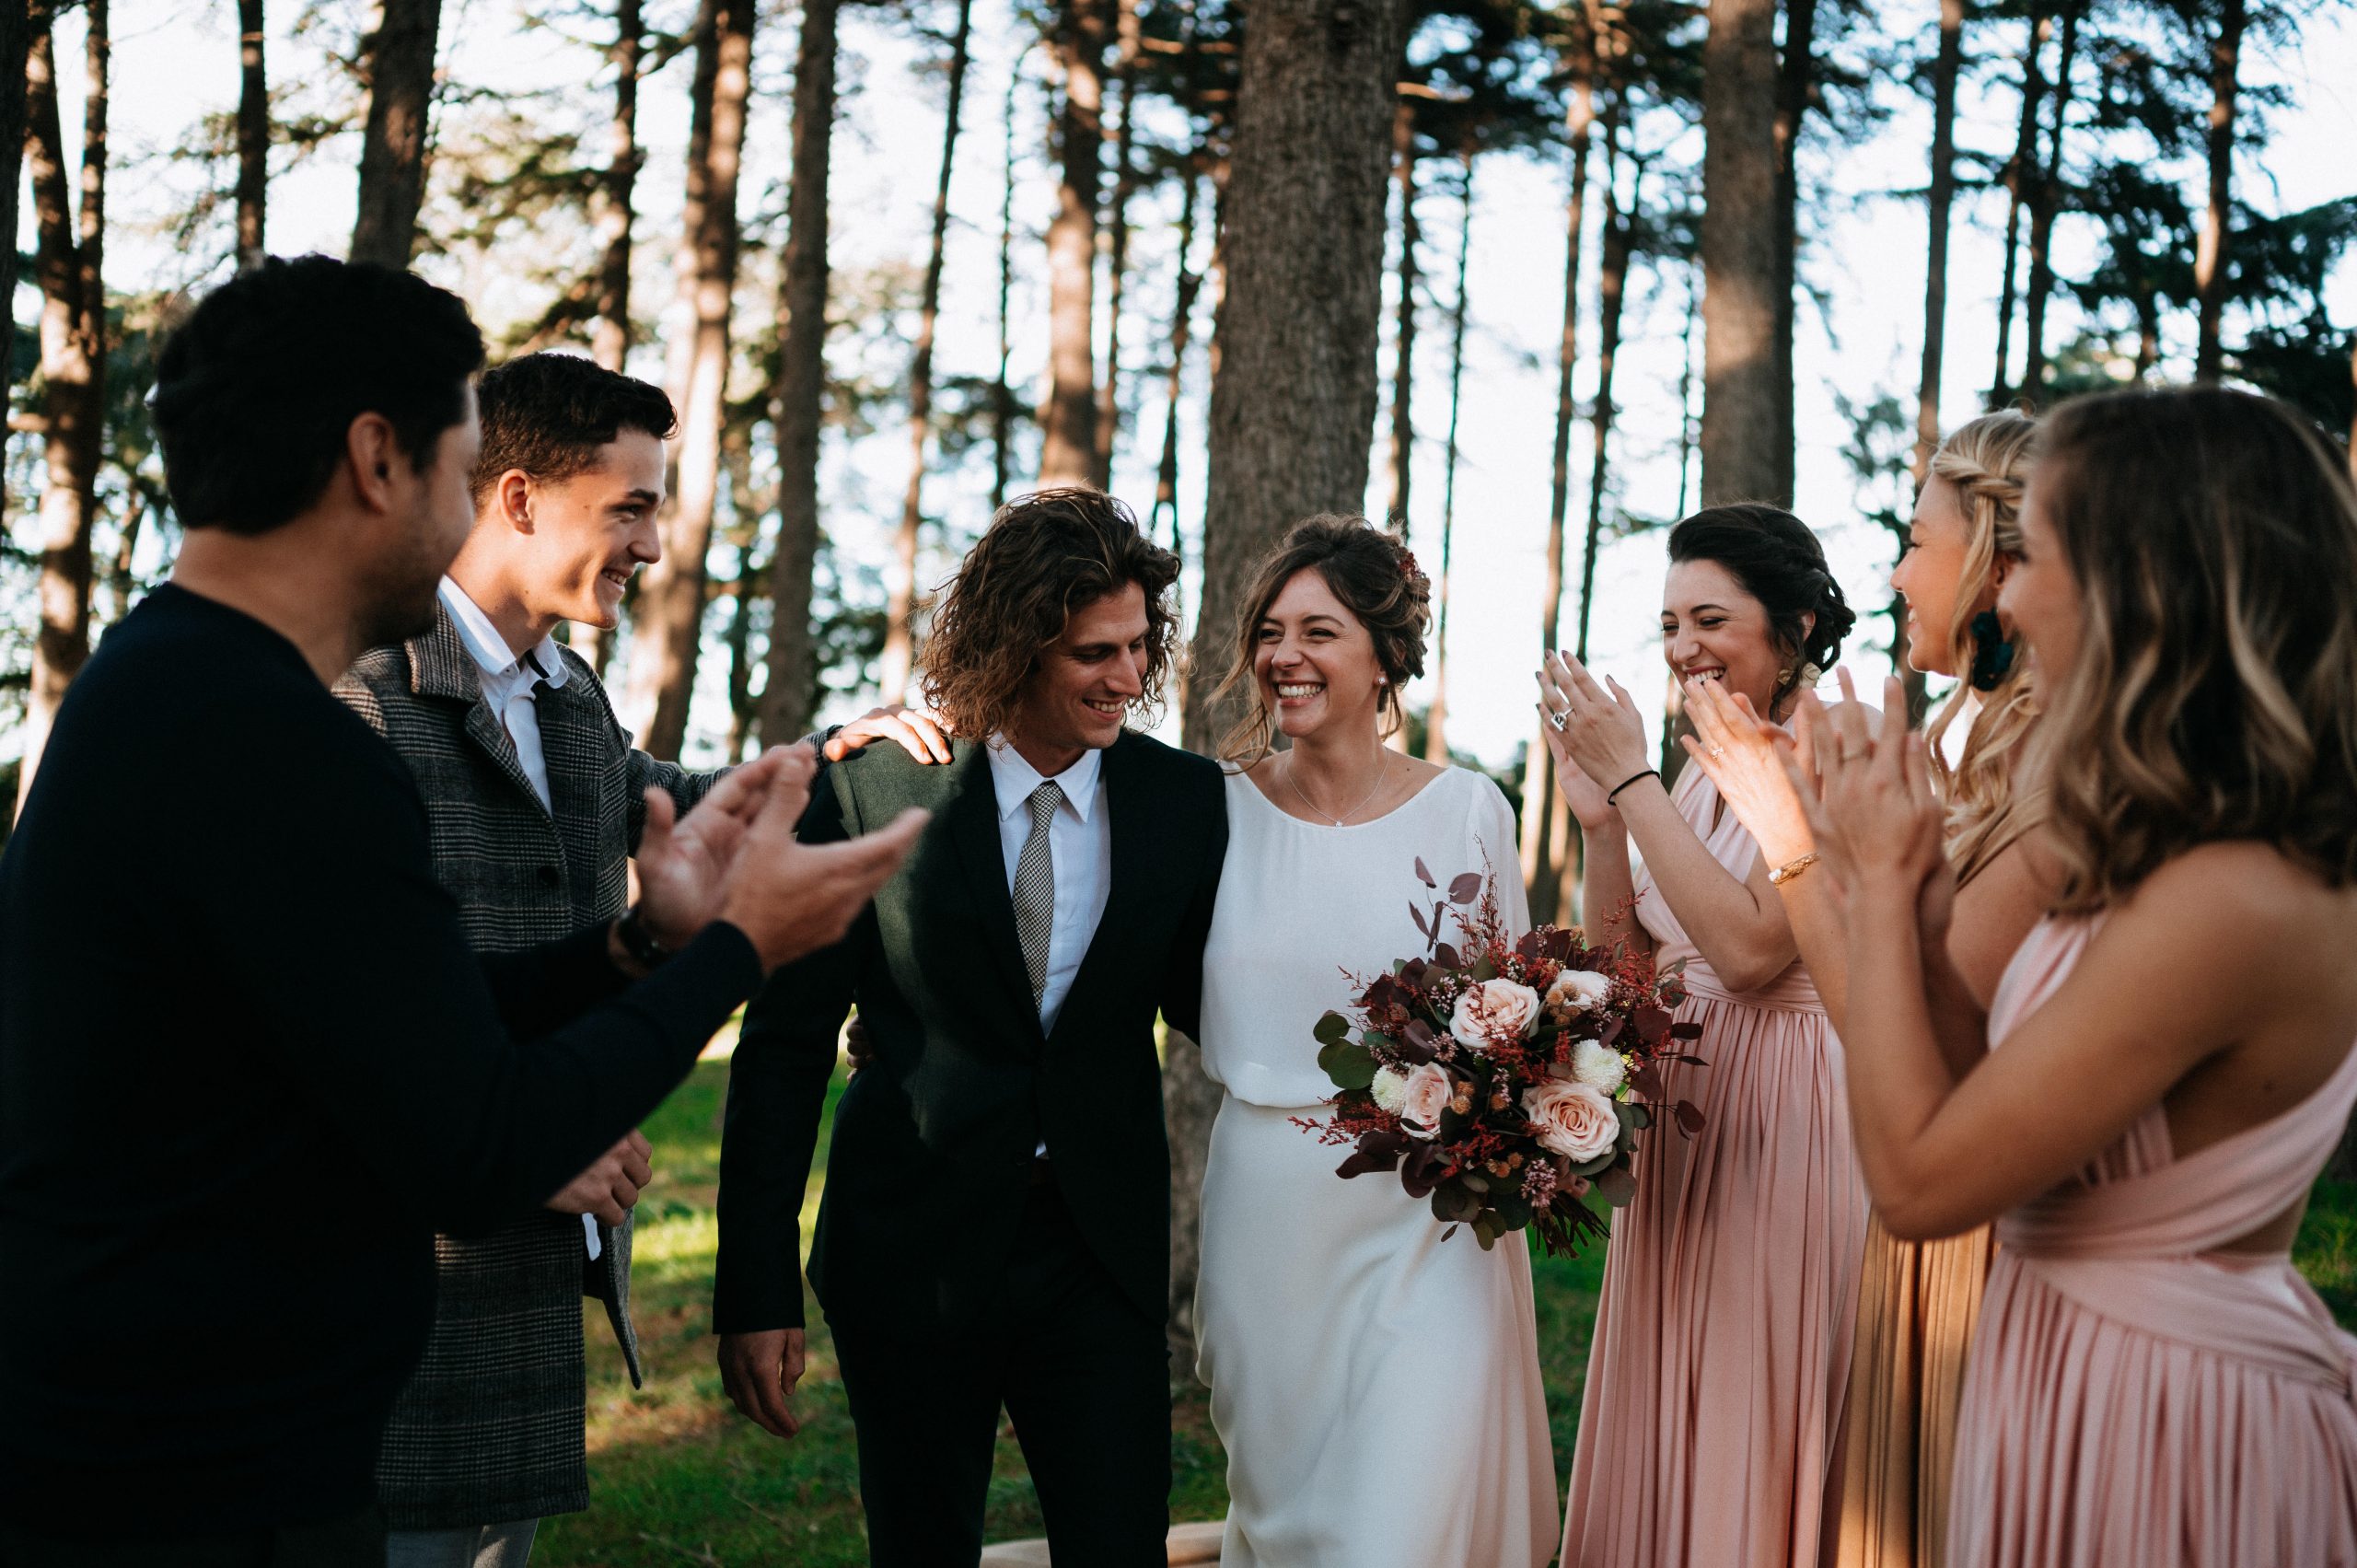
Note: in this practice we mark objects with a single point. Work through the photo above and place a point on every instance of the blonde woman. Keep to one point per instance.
(2169, 1060)
(1917, 1302)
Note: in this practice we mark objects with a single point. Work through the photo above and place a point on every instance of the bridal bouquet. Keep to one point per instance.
(1505, 1080)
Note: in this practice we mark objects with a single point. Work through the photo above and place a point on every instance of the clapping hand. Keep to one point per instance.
(683, 862)
(1598, 737)
(1871, 810)
(1742, 755)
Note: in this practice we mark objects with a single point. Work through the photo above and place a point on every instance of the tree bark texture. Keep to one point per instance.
(2017, 181)
(1436, 718)
(900, 624)
(610, 346)
(668, 624)
(1068, 452)
(1116, 249)
(1939, 204)
(1543, 840)
(393, 155)
(2217, 221)
(1182, 316)
(787, 699)
(1404, 337)
(1001, 394)
(1795, 81)
(1294, 396)
(1741, 421)
(253, 138)
(2046, 199)
(16, 42)
(68, 259)
(1611, 290)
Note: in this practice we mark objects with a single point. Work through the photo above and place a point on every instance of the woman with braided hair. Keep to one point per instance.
(1918, 1302)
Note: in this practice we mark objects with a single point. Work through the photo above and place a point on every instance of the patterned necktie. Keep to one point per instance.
(1035, 888)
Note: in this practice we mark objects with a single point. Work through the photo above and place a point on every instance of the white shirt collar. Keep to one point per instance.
(1014, 779)
(493, 658)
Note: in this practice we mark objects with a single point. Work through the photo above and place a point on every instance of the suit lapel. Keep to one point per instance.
(1117, 788)
(575, 749)
(973, 826)
(441, 666)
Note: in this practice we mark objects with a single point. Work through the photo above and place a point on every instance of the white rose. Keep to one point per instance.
(1577, 991)
(1424, 1093)
(1391, 1089)
(1573, 1119)
(1599, 1065)
(1492, 1010)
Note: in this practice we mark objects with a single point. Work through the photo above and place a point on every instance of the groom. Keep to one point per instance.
(995, 1227)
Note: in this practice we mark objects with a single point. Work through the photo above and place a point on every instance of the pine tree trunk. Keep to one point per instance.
(1741, 421)
(68, 259)
(1543, 839)
(1436, 720)
(1796, 78)
(393, 155)
(253, 138)
(2045, 198)
(15, 42)
(1611, 288)
(2016, 181)
(786, 701)
(1182, 314)
(1001, 394)
(1068, 422)
(667, 621)
(2209, 261)
(900, 618)
(1294, 396)
(612, 344)
(1404, 337)
(1941, 203)
(1117, 249)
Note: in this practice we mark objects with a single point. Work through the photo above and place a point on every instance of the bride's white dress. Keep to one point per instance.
(1376, 1387)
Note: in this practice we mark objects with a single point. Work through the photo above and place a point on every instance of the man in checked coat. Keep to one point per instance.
(535, 800)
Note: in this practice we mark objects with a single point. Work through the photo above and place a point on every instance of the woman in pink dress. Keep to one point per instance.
(1722, 1347)
(2170, 1055)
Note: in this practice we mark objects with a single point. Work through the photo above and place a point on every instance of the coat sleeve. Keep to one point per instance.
(1183, 980)
(777, 1097)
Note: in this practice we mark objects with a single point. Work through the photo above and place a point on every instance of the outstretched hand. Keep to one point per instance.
(684, 862)
(790, 897)
(1596, 735)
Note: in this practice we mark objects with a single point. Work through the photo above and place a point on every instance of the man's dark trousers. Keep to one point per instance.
(959, 1272)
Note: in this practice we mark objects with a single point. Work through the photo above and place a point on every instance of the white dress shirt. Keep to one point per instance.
(1080, 842)
(508, 680)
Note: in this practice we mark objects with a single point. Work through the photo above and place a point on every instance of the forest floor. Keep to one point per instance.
(677, 1477)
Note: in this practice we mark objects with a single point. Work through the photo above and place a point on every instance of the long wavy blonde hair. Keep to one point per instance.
(1987, 462)
(2214, 539)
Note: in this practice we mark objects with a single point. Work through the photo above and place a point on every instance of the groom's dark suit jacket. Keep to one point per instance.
(933, 1144)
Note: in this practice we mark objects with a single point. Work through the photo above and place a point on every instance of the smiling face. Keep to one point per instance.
(2041, 598)
(577, 540)
(1316, 662)
(1930, 573)
(1713, 627)
(1079, 696)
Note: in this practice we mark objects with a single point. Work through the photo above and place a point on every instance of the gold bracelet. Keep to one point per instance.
(1790, 869)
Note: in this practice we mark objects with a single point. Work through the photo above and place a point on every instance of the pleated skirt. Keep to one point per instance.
(1723, 1340)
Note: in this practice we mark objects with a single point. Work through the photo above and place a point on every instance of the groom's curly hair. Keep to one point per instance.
(1044, 556)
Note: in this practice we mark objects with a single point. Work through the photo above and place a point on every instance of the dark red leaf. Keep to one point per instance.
(1411, 973)
(1417, 915)
(1423, 876)
(1465, 888)
(1690, 1117)
(1652, 1024)
(1447, 957)
(1611, 1030)
(1686, 1031)
(1646, 1078)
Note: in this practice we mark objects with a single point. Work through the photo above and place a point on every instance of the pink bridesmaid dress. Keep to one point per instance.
(1721, 1350)
(2135, 1396)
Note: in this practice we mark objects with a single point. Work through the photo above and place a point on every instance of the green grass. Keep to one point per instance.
(678, 1477)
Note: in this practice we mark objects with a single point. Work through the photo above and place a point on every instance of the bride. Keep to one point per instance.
(1376, 1386)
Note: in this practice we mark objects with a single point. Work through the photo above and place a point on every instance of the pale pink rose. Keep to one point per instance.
(1421, 1099)
(1576, 991)
(1493, 1010)
(1573, 1120)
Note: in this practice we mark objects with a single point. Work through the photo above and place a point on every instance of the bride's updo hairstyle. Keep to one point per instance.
(1377, 581)
(2212, 536)
(1779, 563)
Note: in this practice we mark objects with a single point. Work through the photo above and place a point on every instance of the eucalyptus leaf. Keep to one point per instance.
(1349, 1065)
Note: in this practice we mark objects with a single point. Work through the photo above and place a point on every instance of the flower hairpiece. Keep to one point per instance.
(1412, 572)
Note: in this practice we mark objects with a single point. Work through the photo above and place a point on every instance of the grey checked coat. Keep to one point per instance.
(490, 1426)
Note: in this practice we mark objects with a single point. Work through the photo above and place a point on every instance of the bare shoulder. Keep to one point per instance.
(2247, 907)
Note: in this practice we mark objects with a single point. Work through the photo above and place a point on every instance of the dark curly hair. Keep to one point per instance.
(1779, 563)
(547, 414)
(1044, 556)
(1377, 581)
(257, 390)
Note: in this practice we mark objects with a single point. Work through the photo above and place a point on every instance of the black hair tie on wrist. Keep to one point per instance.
(1615, 793)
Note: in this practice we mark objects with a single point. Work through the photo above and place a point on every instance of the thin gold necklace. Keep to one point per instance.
(1382, 769)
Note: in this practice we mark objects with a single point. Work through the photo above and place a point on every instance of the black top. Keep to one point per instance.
(932, 1149)
(247, 1068)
